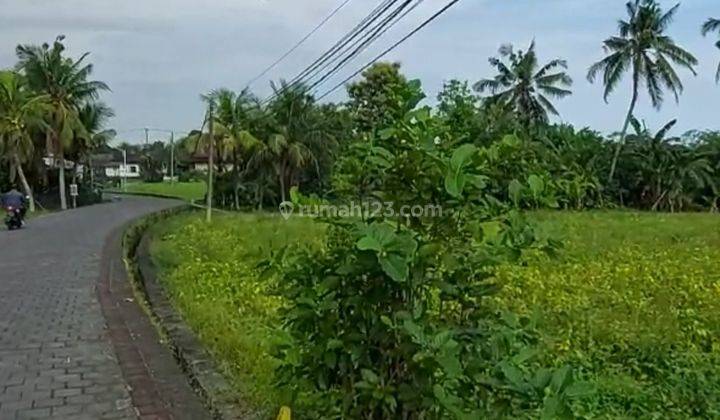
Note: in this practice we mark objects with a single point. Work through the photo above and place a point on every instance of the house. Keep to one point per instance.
(122, 170)
(111, 163)
(199, 162)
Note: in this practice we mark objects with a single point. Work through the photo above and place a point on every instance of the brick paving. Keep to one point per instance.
(57, 358)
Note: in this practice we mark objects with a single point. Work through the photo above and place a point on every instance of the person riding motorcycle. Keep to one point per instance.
(16, 200)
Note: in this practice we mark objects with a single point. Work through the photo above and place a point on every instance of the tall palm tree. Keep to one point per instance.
(236, 122)
(298, 137)
(713, 25)
(94, 117)
(20, 111)
(525, 86)
(65, 82)
(642, 47)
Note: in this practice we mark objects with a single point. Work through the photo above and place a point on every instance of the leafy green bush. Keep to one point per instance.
(389, 320)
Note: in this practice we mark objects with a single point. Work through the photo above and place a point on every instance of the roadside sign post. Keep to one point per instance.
(74, 194)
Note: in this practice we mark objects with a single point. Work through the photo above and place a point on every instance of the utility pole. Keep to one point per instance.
(147, 136)
(124, 171)
(172, 157)
(211, 164)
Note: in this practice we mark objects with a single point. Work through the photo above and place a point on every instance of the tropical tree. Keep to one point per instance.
(664, 173)
(200, 140)
(375, 99)
(643, 48)
(298, 138)
(20, 111)
(713, 25)
(524, 86)
(237, 116)
(65, 82)
(94, 117)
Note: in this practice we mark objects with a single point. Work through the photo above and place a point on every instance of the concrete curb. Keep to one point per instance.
(197, 364)
(157, 386)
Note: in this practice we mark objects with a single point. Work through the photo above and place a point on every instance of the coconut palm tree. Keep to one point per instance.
(643, 48)
(298, 137)
(713, 25)
(65, 82)
(20, 112)
(94, 117)
(525, 86)
(237, 119)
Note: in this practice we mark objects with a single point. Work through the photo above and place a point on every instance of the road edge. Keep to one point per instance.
(157, 386)
(196, 362)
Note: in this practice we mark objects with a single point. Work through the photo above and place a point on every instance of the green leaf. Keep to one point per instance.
(387, 133)
(580, 389)
(369, 243)
(561, 378)
(395, 266)
(455, 183)
(536, 184)
(394, 251)
(541, 379)
(525, 354)
(463, 155)
(512, 374)
(369, 376)
(552, 407)
(515, 190)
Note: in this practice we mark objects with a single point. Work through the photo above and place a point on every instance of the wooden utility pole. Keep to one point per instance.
(211, 163)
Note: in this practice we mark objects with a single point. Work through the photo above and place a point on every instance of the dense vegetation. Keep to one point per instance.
(467, 313)
(290, 140)
(630, 300)
(49, 110)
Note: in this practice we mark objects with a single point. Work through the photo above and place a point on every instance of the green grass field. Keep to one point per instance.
(632, 302)
(187, 191)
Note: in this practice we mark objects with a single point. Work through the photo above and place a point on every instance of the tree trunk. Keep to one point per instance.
(61, 181)
(623, 133)
(25, 184)
(282, 183)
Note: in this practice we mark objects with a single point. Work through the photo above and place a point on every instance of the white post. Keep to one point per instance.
(172, 157)
(124, 170)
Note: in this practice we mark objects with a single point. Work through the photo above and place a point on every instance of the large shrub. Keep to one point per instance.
(389, 320)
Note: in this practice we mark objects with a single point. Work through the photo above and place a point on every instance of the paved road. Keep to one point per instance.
(55, 355)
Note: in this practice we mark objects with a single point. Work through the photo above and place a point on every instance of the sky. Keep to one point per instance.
(158, 56)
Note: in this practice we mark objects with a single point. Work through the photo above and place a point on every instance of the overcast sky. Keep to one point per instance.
(159, 55)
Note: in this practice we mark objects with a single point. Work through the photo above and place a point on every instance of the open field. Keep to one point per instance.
(187, 191)
(631, 301)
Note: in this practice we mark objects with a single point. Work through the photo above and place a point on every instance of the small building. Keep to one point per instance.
(110, 163)
(122, 170)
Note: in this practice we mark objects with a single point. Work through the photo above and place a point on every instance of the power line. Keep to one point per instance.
(349, 37)
(389, 23)
(299, 43)
(387, 51)
(339, 47)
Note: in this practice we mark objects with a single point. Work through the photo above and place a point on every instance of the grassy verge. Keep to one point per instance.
(187, 191)
(211, 274)
(632, 301)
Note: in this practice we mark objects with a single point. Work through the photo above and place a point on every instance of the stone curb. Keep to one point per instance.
(202, 372)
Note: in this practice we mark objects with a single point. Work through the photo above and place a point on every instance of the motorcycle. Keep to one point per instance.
(13, 218)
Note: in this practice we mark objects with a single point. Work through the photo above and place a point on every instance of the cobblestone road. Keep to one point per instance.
(56, 359)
